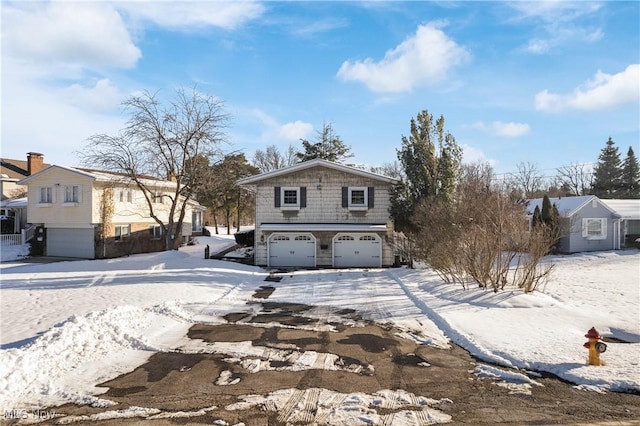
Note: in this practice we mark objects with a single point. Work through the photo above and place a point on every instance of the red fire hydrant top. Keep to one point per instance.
(593, 334)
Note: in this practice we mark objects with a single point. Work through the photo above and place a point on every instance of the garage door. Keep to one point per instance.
(292, 250)
(357, 251)
(70, 242)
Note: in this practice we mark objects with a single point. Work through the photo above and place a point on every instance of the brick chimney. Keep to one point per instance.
(35, 162)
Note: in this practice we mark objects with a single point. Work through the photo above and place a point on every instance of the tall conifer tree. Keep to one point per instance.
(607, 175)
(630, 185)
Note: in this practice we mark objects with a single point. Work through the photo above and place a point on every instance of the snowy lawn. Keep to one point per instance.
(67, 326)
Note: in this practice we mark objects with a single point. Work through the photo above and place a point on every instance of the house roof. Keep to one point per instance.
(314, 163)
(567, 206)
(14, 202)
(16, 169)
(97, 175)
(627, 209)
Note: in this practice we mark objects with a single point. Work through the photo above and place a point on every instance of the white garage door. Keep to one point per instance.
(357, 251)
(292, 250)
(70, 242)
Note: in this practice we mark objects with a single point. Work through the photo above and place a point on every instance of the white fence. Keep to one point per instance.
(18, 239)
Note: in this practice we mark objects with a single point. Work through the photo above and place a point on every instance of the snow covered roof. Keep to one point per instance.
(567, 206)
(14, 202)
(314, 163)
(97, 175)
(627, 209)
(333, 227)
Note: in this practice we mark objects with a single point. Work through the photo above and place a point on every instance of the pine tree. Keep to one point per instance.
(545, 214)
(537, 217)
(607, 173)
(630, 180)
(431, 162)
(327, 146)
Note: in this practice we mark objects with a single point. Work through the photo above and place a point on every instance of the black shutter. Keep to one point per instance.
(276, 196)
(370, 197)
(303, 197)
(345, 196)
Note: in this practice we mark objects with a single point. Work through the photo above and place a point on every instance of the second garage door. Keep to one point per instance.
(70, 242)
(357, 251)
(292, 250)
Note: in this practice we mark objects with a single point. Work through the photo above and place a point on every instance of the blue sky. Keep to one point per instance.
(542, 82)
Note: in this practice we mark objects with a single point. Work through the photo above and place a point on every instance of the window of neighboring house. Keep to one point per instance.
(122, 232)
(290, 197)
(158, 197)
(594, 229)
(72, 194)
(46, 195)
(357, 197)
(196, 221)
(155, 231)
(124, 195)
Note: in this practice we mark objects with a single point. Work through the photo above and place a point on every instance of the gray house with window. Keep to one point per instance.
(322, 214)
(587, 223)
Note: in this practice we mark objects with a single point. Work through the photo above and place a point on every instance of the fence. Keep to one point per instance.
(18, 239)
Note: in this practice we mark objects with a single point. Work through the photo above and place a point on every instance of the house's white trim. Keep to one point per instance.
(332, 227)
(313, 163)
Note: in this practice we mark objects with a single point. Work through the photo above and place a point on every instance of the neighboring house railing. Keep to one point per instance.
(18, 239)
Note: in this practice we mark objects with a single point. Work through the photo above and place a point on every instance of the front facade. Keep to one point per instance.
(91, 214)
(322, 214)
(587, 223)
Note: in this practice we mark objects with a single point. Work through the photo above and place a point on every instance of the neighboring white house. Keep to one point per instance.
(94, 214)
(322, 214)
(591, 224)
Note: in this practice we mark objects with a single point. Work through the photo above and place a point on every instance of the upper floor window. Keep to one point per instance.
(290, 197)
(357, 197)
(124, 195)
(594, 229)
(46, 195)
(72, 194)
(158, 197)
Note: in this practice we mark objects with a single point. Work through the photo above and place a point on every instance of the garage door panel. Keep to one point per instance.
(292, 250)
(357, 251)
(71, 242)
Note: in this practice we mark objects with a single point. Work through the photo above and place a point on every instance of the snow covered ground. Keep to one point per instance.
(67, 326)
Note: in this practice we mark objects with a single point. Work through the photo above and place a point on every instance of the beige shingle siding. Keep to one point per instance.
(324, 198)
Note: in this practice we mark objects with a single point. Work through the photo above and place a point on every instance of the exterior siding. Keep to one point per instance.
(324, 195)
(58, 213)
(323, 206)
(578, 243)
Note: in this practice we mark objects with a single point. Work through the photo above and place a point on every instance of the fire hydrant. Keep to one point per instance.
(595, 346)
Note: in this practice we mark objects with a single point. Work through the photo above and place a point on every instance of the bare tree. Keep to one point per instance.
(272, 159)
(161, 141)
(577, 177)
(527, 180)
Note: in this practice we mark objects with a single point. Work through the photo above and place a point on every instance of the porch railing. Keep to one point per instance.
(18, 239)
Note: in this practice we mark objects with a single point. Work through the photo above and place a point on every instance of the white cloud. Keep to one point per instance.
(504, 130)
(191, 15)
(601, 92)
(422, 59)
(293, 132)
(101, 97)
(560, 22)
(74, 35)
(471, 155)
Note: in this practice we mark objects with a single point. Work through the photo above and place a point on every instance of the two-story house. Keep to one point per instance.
(322, 214)
(95, 214)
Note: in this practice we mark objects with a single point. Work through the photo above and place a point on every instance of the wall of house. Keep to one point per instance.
(323, 205)
(58, 213)
(577, 242)
(324, 198)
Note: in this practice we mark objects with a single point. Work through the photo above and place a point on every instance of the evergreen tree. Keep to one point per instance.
(431, 162)
(327, 146)
(607, 175)
(537, 217)
(545, 214)
(630, 180)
